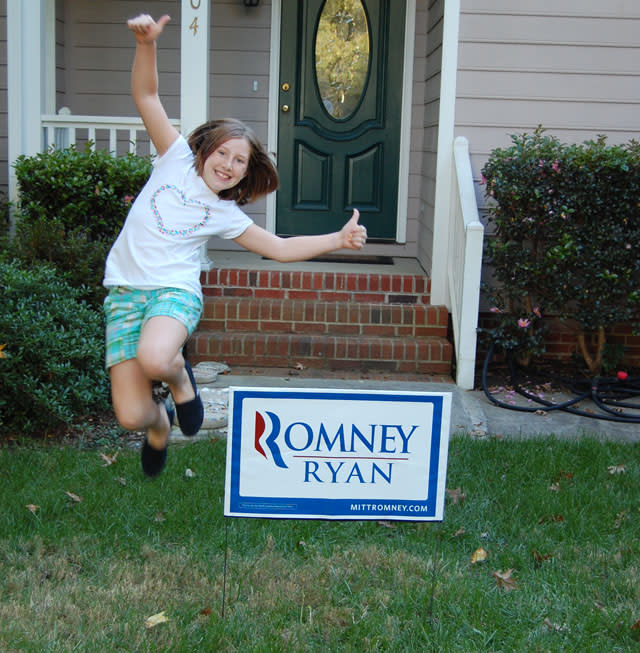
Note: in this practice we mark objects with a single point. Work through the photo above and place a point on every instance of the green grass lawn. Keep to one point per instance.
(84, 575)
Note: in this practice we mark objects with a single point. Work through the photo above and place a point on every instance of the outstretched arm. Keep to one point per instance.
(144, 81)
(301, 248)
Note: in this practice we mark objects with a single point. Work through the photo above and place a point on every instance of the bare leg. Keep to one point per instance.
(134, 406)
(159, 358)
(160, 355)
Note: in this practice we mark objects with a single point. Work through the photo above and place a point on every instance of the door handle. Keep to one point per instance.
(285, 108)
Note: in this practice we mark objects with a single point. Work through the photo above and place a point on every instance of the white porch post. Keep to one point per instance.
(444, 161)
(30, 65)
(194, 75)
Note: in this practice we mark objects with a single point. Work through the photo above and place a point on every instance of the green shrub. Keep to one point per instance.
(566, 224)
(5, 222)
(89, 189)
(72, 206)
(76, 257)
(52, 365)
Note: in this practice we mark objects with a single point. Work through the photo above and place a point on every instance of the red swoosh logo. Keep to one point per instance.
(259, 431)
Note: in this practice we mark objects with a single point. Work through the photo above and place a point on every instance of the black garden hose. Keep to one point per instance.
(610, 395)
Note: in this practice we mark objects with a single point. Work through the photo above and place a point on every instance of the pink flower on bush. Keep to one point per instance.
(556, 166)
(536, 312)
(483, 180)
(495, 309)
(524, 322)
(127, 199)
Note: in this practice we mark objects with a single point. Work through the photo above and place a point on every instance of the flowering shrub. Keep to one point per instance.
(566, 223)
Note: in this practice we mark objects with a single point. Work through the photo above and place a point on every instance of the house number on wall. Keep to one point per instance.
(195, 4)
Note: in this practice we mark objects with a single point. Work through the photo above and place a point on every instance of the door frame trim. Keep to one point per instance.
(272, 120)
(405, 122)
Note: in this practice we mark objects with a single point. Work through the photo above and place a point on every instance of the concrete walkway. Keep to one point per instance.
(472, 412)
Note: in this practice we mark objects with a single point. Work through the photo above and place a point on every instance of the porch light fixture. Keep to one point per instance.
(251, 3)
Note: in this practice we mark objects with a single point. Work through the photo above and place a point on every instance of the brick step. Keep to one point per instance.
(365, 287)
(233, 314)
(431, 355)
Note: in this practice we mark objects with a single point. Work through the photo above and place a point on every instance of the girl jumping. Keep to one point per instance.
(152, 272)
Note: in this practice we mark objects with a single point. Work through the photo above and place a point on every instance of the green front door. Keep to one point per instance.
(340, 100)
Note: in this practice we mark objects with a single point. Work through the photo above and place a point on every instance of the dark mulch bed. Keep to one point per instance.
(99, 431)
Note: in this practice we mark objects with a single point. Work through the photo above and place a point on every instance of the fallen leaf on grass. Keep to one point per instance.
(636, 625)
(504, 580)
(551, 518)
(206, 611)
(617, 469)
(562, 476)
(456, 495)
(461, 531)
(189, 473)
(386, 524)
(32, 508)
(74, 497)
(539, 557)
(122, 480)
(109, 460)
(479, 555)
(159, 517)
(155, 619)
(551, 626)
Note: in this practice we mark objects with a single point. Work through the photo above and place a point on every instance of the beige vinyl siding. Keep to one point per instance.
(415, 203)
(432, 15)
(60, 58)
(239, 50)
(98, 52)
(239, 44)
(572, 67)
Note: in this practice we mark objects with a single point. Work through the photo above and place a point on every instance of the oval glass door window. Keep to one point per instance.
(342, 56)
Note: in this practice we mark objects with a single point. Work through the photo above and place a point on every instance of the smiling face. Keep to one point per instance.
(227, 164)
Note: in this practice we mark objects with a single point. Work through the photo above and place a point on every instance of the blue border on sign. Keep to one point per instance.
(302, 507)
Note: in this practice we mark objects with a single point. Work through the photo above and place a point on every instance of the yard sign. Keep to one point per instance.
(336, 454)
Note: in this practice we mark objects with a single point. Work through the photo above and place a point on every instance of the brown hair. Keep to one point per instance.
(262, 176)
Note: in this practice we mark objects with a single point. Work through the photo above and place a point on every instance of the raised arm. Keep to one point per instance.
(301, 248)
(144, 81)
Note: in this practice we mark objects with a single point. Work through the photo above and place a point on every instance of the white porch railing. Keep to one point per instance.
(464, 264)
(117, 135)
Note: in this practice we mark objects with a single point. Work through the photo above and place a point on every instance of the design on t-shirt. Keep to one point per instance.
(186, 202)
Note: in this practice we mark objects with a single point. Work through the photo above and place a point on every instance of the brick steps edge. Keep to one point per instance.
(329, 318)
(431, 355)
(317, 286)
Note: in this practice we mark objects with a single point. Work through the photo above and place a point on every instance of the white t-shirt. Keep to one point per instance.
(174, 214)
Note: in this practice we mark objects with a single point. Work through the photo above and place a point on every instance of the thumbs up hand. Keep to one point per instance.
(145, 29)
(353, 235)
